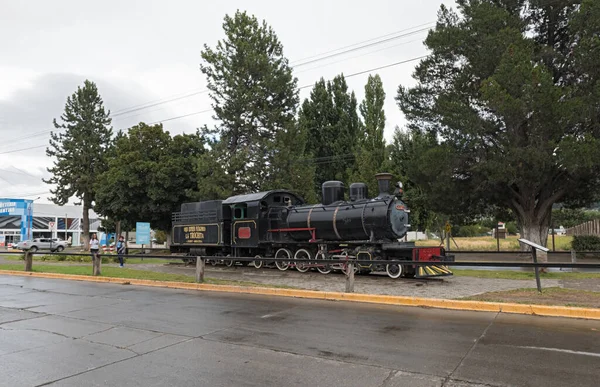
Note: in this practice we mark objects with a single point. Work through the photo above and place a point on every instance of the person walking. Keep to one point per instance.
(94, 247)
(121, 250)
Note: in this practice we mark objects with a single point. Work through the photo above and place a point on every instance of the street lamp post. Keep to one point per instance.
(30, 220)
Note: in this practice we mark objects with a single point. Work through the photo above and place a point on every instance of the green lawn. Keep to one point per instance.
(53, 258)
(522, 275)
(487, 243)
(116, 272)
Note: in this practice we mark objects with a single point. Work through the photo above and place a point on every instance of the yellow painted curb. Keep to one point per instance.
(498, 307)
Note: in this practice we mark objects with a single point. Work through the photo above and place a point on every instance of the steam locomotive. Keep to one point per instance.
(278, 224)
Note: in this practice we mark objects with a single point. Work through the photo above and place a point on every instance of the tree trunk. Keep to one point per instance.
(535, 233)
(168, 240)
(85, 226)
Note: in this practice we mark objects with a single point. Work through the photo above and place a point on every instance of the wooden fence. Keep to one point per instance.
(588, 228)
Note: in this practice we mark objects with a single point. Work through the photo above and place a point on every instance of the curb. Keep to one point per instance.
(480, 306)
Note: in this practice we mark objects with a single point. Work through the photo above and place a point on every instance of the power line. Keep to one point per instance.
(185, 115)
(306, 86)
(299, 88)
(386, 66)
(365, 41)
(305, 61)
(160, 103)
(361, 47)
(23, 149)
(356, 56)
(19, 173)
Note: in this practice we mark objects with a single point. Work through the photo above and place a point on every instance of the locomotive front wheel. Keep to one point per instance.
(323, 269)
(393, 270)
(257, 262)
(283, 254)
(302, 267)
(229, 262)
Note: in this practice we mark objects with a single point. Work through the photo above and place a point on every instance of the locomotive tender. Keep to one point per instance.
(278, 224)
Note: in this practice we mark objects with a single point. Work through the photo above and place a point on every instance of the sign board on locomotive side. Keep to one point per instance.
(197, 233)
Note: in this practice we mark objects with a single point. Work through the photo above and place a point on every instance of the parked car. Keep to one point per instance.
(42, 244)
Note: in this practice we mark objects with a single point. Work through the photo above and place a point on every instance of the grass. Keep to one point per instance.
(549, 296)
(487, 243)
(521, 275)
(115, 272)
(53, 258)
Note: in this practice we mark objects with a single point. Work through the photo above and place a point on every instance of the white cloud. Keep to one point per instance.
(140, 51)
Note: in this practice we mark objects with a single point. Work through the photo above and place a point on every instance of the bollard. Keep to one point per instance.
(28, 261)
(199, 269)
(96, 261)
(350, 278)
(573, 259)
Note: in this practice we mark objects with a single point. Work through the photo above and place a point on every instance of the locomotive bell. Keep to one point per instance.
(383, 182)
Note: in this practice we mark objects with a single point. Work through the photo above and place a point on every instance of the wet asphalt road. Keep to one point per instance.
(66, 333)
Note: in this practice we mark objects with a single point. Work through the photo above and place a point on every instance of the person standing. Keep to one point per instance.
(121, 250)
(94, 247)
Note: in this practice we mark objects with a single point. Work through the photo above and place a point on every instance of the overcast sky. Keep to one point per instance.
(139, 52)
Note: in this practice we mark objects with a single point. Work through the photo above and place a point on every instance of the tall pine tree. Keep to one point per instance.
(79, 147)
(255, 101)
(370, 149)
(331, 120)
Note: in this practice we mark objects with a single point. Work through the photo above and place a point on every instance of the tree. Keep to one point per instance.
(331, 120)
(512, 91)
(255, 99)
(79, 147)
(370, 149)
(404, 160)
(149, 175)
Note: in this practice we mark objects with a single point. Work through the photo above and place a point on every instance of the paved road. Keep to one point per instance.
(66, 333)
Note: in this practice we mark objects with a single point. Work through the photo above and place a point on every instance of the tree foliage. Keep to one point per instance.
(79, 146)
(370, 144)
(255, 100)
(512, 91)
(331, 121)
(149, 175)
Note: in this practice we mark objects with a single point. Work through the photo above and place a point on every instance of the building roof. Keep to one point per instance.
(253, 196)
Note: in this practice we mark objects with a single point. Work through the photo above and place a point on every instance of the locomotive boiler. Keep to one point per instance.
(383, 218)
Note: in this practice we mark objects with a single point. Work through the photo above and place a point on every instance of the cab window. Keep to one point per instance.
(239, 211)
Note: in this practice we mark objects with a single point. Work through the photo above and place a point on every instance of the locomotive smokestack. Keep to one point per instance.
(383, 182)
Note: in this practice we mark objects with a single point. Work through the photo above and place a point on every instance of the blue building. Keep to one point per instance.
(22, 219)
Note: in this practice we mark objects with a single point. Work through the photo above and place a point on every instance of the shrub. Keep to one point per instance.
(586, 243)
(471, 231)
(511, 227)
(61, 258)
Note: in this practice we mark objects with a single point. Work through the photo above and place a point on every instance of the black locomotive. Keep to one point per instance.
(278, 224)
